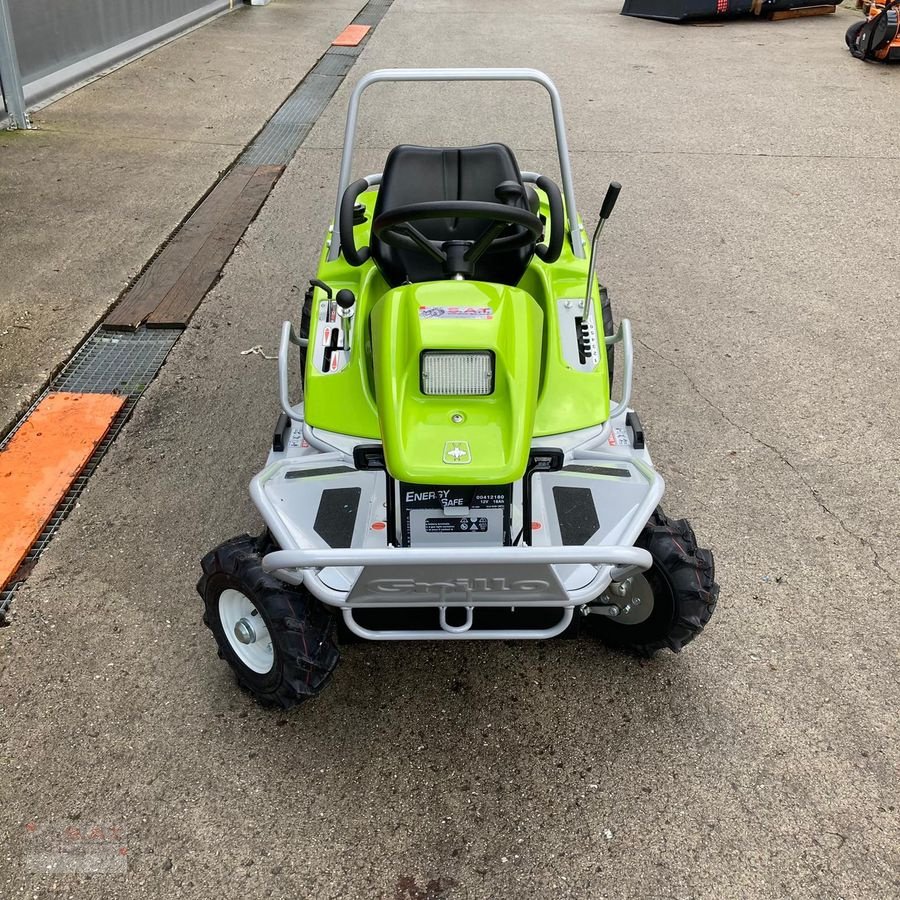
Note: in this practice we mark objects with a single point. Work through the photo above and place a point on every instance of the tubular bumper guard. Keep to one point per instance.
(488, 576)
(475, 565)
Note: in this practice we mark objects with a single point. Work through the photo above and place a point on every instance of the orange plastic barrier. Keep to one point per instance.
(39, 464)
(351, 36)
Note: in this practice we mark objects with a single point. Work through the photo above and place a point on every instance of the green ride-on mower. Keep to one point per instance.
(457, 469)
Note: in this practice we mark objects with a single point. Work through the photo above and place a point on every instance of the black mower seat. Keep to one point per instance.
(423, 174)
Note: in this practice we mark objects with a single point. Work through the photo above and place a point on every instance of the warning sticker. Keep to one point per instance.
(455, 312)
(456, 525)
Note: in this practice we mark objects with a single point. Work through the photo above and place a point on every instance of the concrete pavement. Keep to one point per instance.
(760, 763)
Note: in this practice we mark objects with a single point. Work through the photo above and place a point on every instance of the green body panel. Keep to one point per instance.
(422, 443)
(566, 399)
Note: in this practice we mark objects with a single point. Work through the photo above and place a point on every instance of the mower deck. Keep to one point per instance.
(330, 521)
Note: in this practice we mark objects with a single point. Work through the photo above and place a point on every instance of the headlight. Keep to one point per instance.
(457, 372)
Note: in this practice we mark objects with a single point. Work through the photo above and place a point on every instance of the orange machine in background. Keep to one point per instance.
(876, 37)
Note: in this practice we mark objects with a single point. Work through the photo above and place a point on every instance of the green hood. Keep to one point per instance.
(456, 439)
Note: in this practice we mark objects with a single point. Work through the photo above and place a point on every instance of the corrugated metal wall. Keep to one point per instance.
(60, 42)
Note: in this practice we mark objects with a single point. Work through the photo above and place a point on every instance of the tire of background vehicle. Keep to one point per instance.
(684, 592)
(301, 630)
(609, 329)
(853, 32)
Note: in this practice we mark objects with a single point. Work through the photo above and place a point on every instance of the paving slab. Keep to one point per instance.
(762, 762)
(111, 170)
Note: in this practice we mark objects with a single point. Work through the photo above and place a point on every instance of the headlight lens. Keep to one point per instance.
(461, 373)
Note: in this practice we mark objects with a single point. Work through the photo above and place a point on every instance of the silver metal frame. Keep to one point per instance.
(611, 562)
(10, 76)
(534, 75)
(452, 633)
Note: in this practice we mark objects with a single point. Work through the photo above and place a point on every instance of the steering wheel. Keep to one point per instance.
(458, 257)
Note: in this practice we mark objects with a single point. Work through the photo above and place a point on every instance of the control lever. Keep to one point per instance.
(345, 303)
(315, 282)
(609, 201)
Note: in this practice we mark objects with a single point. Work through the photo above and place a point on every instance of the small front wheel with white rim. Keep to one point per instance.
(278, 639)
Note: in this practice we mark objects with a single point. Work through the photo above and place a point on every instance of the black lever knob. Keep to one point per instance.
(345, 299)
(609, 201)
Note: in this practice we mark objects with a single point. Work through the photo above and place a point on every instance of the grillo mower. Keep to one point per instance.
(458, 469)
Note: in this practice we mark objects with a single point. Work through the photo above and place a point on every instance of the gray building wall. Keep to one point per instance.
(61, 42)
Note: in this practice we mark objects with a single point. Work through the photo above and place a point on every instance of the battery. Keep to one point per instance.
(455, 515)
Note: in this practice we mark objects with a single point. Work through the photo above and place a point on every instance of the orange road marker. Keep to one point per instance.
(351, 36)
(41, 461)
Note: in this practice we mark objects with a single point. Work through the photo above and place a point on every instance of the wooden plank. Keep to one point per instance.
(39, 464)
(160, 276)
(181, 301)
(801, 12)
(351, 36)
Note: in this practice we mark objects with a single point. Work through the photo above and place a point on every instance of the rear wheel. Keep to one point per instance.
(675, 598)
(305, 323)
(609, 329)
(278, 640)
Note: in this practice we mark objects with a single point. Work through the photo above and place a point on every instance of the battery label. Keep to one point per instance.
(456, 525)
(429, 511)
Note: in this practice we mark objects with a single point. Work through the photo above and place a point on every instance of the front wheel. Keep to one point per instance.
(675, 597)
(852, 34)
(279, 640)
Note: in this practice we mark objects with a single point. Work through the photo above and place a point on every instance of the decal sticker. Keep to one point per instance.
(434, 515)
(455, 312)
(456, 525)
(457, 452)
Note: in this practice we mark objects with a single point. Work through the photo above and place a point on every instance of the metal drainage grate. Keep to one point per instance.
(107, 363)
(283, 134)
(308, 102)
(372, 13)
(345, 51)
(287, 129)
(334, 64)
(114, 362)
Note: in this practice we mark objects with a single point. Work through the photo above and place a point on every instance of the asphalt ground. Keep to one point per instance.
(751, 249)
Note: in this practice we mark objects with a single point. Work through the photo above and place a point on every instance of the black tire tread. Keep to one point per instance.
(690, 570)
(301, 628)
(305, 324)
(609, 329)
(853, 33)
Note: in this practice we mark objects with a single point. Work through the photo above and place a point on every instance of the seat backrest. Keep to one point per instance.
(421, 174)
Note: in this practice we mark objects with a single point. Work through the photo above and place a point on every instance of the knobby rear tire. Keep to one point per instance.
(684, 588)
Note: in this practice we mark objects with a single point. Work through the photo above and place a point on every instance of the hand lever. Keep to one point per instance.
(609, 202)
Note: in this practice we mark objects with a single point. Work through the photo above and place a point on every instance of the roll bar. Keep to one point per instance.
(534, 75)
